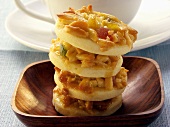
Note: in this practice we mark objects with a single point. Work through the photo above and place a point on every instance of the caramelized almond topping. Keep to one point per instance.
(83, 23)
(87, 85)
(86, 59)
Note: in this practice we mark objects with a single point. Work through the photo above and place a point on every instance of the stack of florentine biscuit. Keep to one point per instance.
(87, 55)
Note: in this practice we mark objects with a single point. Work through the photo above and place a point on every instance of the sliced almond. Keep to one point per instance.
(109, 83)
(81, 24)
(76, 31)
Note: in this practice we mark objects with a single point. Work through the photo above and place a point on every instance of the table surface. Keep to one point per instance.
(14, 57)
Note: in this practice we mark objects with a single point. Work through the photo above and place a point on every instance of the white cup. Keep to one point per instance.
(125, 10)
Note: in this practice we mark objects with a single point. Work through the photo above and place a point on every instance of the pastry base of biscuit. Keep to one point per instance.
(60, 62)
(75, 111)
(90, 46)
(98, 93)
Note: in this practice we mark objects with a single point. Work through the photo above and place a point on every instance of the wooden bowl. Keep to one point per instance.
(142, 100)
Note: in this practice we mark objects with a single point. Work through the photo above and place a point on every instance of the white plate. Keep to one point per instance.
(152, 22)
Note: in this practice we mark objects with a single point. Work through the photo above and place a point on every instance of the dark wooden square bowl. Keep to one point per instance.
(142, 99)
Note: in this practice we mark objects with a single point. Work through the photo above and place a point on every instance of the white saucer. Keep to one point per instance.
(152, 22)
